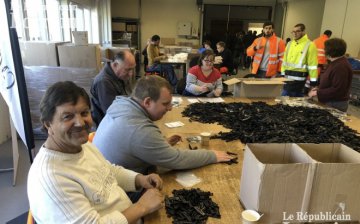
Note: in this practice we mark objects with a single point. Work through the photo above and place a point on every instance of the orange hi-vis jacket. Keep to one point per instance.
(320, 45)
(276, 51)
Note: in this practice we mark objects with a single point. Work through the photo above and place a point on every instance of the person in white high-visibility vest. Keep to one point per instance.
(299, 62)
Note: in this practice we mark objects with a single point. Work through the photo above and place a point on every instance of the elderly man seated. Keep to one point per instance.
(70, 181)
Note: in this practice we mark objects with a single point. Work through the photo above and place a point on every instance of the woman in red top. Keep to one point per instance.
(203, 79)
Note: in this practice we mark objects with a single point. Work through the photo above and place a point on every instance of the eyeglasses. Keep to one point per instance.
(209, 61)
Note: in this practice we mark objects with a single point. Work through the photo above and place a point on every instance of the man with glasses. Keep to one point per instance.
(299, 62)
(268, 52)
(113, 80)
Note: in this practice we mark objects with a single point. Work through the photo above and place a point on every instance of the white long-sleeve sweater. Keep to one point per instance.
(78, 188)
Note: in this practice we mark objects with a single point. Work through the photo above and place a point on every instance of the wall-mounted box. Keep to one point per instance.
(184, 28)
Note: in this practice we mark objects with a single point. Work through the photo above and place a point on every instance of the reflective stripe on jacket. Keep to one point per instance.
(276, 51)
(319, 43)
(301, 56)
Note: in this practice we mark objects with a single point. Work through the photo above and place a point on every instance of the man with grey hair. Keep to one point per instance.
(112, 81)
(129, 137)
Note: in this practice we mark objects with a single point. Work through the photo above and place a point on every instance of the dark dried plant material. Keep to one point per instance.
(355, 102)
(192, 206)
(262, 123)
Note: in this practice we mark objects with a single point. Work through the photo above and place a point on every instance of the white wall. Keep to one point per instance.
(5, 132)
(161, 17)
(308, 12)
(345, 24)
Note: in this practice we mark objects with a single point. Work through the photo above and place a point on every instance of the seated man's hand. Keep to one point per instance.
(150, 201)
(149, 181)
(173, 140)
(222, 156)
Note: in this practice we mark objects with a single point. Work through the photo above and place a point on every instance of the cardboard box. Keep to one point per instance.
(40, 53)
(298, 183)
(336, 181)
(80, 37)
(274, 180)
(256, 88)
(118, 26)
(88, 56)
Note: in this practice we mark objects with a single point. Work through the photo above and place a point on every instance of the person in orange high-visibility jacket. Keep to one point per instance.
(299, 62)
(267, 52)
(319, 43)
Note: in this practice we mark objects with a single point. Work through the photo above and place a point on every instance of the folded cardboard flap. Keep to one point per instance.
(274, 179)
(232, 81)
(263, 82)
(336, 179)
(279, 153)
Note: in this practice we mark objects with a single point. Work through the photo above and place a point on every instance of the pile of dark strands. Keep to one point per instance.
(262, 123)
(192, 206)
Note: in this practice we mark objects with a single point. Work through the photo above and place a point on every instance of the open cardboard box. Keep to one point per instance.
(256, 88)
(289, 182)
(335, 187)
(275, 179)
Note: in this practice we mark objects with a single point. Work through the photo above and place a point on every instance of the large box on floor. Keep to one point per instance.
(87, 56)
(274, 180)
(256, 88)
(40, 53)
(335, 186)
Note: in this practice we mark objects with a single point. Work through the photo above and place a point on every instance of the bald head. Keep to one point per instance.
(124, 64)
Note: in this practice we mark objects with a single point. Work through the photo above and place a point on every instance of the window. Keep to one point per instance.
(50, 20)
(53, 10)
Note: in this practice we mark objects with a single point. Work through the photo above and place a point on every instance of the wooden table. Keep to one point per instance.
(222, 180)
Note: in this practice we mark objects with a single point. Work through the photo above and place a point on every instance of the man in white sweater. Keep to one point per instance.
(70, 181)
